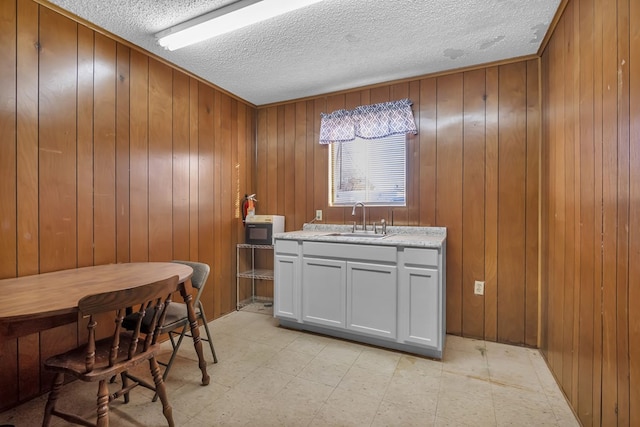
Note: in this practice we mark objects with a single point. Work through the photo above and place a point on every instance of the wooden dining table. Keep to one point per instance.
(42, 301)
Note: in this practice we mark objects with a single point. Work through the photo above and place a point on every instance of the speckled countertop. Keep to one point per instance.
(417, 237)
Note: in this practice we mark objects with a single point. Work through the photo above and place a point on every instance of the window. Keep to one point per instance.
(372, 171)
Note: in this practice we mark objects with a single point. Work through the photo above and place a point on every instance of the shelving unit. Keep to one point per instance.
(253, 274)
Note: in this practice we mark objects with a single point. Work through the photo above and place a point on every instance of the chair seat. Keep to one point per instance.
(175, 317)
(73, 361)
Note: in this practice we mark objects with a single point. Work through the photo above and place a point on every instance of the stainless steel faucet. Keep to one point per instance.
(364, 215)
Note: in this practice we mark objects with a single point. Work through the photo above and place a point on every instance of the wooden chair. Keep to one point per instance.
(176, 322)
(100, 360)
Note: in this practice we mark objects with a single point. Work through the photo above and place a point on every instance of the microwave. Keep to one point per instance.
(259, 229)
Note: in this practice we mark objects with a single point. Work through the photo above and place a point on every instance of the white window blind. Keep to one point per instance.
(371, 171)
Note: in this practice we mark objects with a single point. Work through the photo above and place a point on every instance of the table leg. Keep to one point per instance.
(195, 331)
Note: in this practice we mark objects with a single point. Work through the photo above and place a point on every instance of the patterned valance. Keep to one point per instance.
(368, 122)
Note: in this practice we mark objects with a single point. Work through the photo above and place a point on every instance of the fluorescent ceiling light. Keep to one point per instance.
(226, 19)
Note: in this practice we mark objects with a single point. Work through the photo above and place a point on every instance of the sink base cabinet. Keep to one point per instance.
(371, 296)
(380, 295)
(323, 292)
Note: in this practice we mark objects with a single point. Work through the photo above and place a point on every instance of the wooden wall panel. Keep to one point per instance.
(160, 161)
(139, 157)
(104, 160)
(180, 166)
(491, 207)
(456, 178)
(27, 184)
(511, 210)
(427, 120)
(299, 147)
(532, 211)
(123, 126)
(206, 203)
(587, 307)
(108, 155)
(57, 119)
(8, 184)
(449, 106)
(634, 213)
(473, 197)
(85, 156)
(27, 138)
(591, 162)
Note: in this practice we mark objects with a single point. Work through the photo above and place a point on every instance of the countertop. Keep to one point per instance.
(399, 236)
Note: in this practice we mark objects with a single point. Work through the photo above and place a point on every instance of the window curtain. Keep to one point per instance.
(367, 122)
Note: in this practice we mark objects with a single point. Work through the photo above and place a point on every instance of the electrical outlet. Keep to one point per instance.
(318, 214)
(478, 288)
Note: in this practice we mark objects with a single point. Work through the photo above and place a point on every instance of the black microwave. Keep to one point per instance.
(259, 229)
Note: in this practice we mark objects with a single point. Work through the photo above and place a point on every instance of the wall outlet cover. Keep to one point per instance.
(478, 288)
(318, 214)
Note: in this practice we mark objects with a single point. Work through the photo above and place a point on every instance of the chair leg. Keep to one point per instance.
(168, 365)
(209, 338)
(161, 391)
(103, 404)
(125, 384)
(58, 380)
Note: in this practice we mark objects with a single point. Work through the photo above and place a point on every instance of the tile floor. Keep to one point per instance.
(270, 376)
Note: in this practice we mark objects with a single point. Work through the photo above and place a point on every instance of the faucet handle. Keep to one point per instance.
(384, 226)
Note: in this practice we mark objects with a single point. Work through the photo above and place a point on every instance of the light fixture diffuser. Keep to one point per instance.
(226, 19)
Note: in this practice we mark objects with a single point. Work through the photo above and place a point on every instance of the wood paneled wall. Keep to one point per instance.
(472, 167)
(591, 209)
(108, 155)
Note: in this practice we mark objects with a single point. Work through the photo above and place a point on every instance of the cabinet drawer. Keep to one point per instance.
(350, 251)
(287, 247)
(415, 256)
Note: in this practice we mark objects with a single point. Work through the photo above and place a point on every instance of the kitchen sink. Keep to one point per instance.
(362, 234)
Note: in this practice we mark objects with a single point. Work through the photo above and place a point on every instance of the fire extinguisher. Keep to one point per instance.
(248, 206)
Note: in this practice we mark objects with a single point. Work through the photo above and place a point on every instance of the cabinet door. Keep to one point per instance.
(419, 305)
(323, 291)
(287, 287)
(372, 299)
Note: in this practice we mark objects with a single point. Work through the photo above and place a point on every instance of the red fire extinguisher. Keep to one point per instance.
(248, 206)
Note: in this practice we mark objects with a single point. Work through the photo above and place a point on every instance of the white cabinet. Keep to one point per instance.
(420, 304)
(287, 274)
(324, 291)
(371, 297)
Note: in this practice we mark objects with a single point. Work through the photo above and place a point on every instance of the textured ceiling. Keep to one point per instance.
(332, 45)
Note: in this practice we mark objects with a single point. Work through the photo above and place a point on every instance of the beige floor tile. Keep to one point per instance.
(466, 362)
(324, 371)
(345, 408)
(288, 361)
(365, 381)
(514, 406)
(393, 414)
(378, 360)
(341, 352)
(460, 382)
(413, 390)
(309, 344)
(419, 366)
(453, 342)
(466, 409)
(515, 374)
(262, 382)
